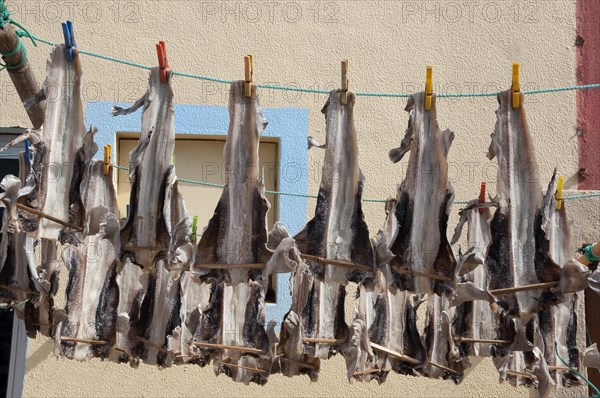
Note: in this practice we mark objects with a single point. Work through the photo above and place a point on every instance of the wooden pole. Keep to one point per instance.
(536, 286)
(482, 341)
(49, 217)
(22, 77)
(228, 347)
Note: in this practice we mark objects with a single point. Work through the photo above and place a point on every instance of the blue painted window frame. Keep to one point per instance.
(289, 125)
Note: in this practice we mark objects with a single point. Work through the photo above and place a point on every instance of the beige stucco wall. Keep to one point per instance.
(471, 46)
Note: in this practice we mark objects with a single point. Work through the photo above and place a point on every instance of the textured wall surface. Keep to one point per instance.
(471, 46)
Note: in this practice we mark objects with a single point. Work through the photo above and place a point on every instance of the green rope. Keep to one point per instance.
(317, 91)
(575, 372)
(303, 195)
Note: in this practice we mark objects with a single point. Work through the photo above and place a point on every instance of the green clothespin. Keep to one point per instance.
(173, 160)
(194, 228)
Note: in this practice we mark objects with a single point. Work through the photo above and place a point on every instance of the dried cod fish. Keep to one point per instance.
(475, 319)
(424, 200)
(338, 232)
(60, 138)
(558, 324)
(156, 234)
(389, 313)
(517, 255)
(233, 313)
(92, 292)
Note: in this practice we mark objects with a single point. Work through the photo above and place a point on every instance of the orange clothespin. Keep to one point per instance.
(482, 196)
(249, 86)
(516, 89)
(428, 88)
(559, 192)
(107, 158)
(344, 93)
(163, 63)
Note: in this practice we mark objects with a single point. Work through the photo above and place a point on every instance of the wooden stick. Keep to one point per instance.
(23, 78)
(403, 357)
(243, 367)
(558, 368)
(443, 368)
(312, 340)
(49, 217)
(303, 364)
(537, 286)
(85, 341)
(520, 374)
(484, 341)
(231, 266)
(348, 264)
(367, 372)
(228, 347)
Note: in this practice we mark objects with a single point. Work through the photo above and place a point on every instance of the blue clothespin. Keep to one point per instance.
(27, 151)
(69, 39)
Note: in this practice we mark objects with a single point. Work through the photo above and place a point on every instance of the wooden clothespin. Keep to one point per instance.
(69, 36)
(107, 158)
(194, 228)
(482, 196)
(249, 86)
(515, 88)
(559, 192)
(344, 93)
(163, 62)
(428, 88)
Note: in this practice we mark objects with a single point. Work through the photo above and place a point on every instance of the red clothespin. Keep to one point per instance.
(482, 196)
(163, 63)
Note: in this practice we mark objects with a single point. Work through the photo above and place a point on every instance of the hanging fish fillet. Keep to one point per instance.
(156, 244)
(424, 200)
(144, 232)
(62, 136)
(475, 319)
(18, 275)
(338, 232)
(389, 313)
(559, 323)
(92, 293)
(516, 255)
(233, 314)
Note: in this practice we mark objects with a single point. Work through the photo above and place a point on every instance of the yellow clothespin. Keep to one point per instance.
(516, 89)
(107, 158)
(344, 93)
(249, 86)
(428, 88)
(559, 192)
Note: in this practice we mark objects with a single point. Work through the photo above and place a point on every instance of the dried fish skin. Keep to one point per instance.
(475, 319)
(338, 232)
(236, 234)
(92, 295)
(388, 313)
(423, 204)
(518, 253)
(149, 165)
(62, 134)
(132, 283)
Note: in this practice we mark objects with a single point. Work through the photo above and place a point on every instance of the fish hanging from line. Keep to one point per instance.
(517, 255)
(337, 232)
(58, 141)
(231, 310)
(155, 237)
(424, 201)
(92, 294)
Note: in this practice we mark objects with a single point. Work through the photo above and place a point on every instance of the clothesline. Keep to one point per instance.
(302, 195)
(310, 90)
